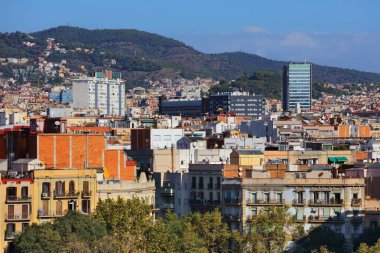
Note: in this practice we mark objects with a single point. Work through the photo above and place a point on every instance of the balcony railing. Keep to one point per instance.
(167, 206)
(167, 191)
(86, 194)
(9, 235)
(232, 201)
(204, 202)
(66, 195)
(318, 219)
(297, 202)
(230, 217)
(357, 219)
(261, 202)
(17, 217)
(47, 215)
(45, 195)
(356, 202)
(326, 202)
(16, 199)
(300, 219)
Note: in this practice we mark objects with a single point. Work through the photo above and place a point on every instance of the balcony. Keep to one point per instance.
(41, 214)
(326, 202)
(204, 202)
(15, 199)
(86, 194)
(167, 191)
(325, 219)
(17, 217)
(270, 202)
(167, 206)
(232, 201)
(45, 195)
(9, 235)
(66, 195)
(357, 219)
(300, 219)
(297, 202)
(230, 217)
(356, 202)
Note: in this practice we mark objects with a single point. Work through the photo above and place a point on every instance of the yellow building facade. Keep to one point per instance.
(58, 191)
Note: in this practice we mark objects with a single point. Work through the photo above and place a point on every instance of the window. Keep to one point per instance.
(25, 211)
(211, 197)
(299, 214)
(24, 192)
(45, 207)
(86, 187)
(193, 182)
(11, 193)
(279, 197)
(266, 197)
(11, 229)
(200, 186)
(60, 188)
(254, 197)
(71, 187)
(72, 205)
(254, 211)
(11, 212)
(299, 197)
(46, 189)
(316, 197)
(86, 206)
(58, 207)
(24, 226)
(218, 183)
(210, 182)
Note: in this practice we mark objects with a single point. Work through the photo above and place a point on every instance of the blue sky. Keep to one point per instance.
(344, 33)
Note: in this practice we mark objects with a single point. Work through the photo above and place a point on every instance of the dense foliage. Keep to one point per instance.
(140, 55)
(128, 226)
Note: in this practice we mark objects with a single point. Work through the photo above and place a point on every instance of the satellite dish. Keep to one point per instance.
(57, 123)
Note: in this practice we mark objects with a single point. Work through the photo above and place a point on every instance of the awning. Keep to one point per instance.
(338, 159)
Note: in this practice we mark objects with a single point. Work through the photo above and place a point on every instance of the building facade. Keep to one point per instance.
(104, 91)
(296, 87)
(240, 103)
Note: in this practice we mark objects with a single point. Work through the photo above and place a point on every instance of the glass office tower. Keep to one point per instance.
(296, 87)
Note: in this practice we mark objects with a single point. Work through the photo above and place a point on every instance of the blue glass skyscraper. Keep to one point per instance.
(296, 87)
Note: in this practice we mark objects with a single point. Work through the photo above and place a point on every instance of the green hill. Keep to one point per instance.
(142, 55)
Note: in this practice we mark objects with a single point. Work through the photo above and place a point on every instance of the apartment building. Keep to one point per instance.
(104, 92)
(314, 197)
(58, 191)
(16, 211)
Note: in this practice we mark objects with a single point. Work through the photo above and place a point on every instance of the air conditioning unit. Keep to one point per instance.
(44, 194)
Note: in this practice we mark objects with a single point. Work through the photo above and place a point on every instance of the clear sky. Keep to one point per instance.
(343, 33)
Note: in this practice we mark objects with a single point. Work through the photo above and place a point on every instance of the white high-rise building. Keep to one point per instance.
(104, 91)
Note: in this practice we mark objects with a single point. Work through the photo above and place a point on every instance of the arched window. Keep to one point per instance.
(60, 188)
(58, 207)
(72, 187)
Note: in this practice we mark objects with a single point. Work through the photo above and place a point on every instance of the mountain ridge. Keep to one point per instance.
(142, 55)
